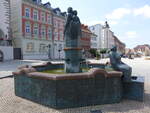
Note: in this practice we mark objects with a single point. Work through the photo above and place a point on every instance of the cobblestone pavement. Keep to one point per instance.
(9, 103)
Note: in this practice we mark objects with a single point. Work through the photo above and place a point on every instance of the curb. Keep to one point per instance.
(8, 76)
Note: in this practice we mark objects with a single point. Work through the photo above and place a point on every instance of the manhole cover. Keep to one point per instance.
(96, 111)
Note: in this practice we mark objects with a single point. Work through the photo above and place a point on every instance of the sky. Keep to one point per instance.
(128, 19)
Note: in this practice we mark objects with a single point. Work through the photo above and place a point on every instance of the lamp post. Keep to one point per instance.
(49, 51)
(59, 53)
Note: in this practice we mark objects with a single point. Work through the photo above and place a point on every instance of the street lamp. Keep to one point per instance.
(59, 50)
(49, 51)
(59, 53)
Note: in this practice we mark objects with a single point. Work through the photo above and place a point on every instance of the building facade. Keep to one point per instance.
(144, 50)
(97, 30)
(85, 37)
(107, 40)
(120, 45)
(37, 29)
(85, 41)
(6, 49)
(59, 20)
(93, 41)
(5, 31)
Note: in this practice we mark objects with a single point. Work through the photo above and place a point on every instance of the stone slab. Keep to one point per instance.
(134, 90)
(102, 88)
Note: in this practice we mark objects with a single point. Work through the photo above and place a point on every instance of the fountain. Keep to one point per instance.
(73, 88)
(72, 48)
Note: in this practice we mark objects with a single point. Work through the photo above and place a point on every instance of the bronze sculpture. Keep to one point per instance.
(72, 29)
(72, 34)
(118, 65)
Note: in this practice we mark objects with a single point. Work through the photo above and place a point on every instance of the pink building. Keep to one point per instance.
(37, 29)
(58, 33)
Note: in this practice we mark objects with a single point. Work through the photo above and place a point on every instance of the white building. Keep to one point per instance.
(5, 17)
(6, 50)
(93, 41)
(96, 41)
(107, 39)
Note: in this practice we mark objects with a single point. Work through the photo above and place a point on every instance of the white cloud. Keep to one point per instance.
(145, 11)
(89, 23)
(118, 13)
(131, 34)
(93, 22)
(111, 22)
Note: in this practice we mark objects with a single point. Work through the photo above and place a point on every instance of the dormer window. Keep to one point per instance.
(58, 12)
(47, 5)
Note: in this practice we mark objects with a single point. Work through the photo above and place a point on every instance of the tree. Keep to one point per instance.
(93, 52)
(103, 51)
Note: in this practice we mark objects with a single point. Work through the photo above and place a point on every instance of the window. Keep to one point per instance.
(30, 47)
(103, 33)
(94, 45)
(43, 17)
(60, 47)
(27, 12)
(58, 24)
(61, 35)
(49, 33)
(93, 28)
(83, 35)
(43, 48)
(43, 32)
(58, 12)
(35, 29)
(55, 35)
(49, 19)
(35, 15)
(27, 28)
(94, 38)
(55, 23)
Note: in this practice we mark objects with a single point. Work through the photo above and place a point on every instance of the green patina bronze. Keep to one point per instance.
(72, 34)
(118, 65)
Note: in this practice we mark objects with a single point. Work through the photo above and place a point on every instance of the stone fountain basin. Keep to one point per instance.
(94, 87)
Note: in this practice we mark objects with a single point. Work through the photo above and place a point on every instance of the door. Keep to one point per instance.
(17, 53)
